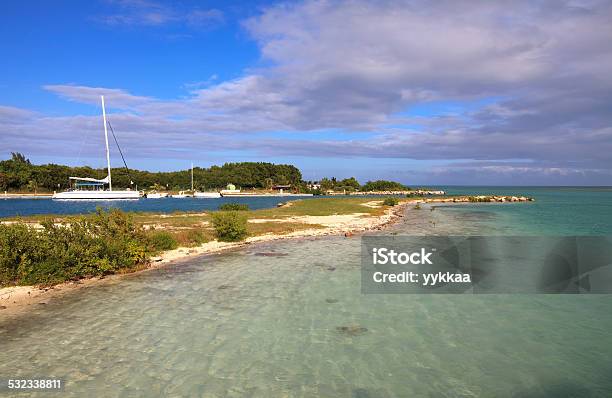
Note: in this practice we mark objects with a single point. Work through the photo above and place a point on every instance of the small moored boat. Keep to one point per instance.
(181, 194)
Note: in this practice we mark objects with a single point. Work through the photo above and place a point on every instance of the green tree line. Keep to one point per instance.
(351, 185)
(19, 174)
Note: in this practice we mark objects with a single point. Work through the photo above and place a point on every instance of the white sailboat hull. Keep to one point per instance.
(210, 195)
(97, 195)
(157, 195)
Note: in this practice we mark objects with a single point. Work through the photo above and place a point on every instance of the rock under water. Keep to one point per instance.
(352, 330)
(271, 254)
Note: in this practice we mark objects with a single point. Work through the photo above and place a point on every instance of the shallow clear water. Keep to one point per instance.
(240, 324)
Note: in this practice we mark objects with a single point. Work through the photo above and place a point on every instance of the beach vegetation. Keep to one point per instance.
(230, 226)
(162, 240)
(391, 201)
(479, 199)
(383, 185)
(99, 244)
(192, 237)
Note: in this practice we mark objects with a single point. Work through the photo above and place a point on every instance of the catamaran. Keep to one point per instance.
(84, 188)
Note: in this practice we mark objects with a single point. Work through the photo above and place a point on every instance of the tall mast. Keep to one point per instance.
(110, 184)
(192, 176)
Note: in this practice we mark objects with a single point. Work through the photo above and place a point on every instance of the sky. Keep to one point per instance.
(446, 92)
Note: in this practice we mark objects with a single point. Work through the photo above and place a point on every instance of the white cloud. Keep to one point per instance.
(91, 95)
(150, 13)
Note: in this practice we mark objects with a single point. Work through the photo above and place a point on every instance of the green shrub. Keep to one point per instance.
(479, 199)
(230, 226)
(98, 244)
(391, 201)
(197, 237)
(234, 207)
(162, 240)
(17, 241)
(417, 206)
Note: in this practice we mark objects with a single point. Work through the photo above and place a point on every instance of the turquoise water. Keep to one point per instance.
(556, 211)
(295, 324)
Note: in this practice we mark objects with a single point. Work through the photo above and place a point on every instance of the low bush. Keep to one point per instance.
(479, 199)
(162, 240)
(98, 244)
(234, 207)
(230, 226)
(417, 206)
(390, 201)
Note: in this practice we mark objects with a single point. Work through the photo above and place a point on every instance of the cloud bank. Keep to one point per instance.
(362, 72)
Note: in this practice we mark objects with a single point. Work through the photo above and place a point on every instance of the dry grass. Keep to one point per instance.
(193, 237)
(320, 207)
(279, 228)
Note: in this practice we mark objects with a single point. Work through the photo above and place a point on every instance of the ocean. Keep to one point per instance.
(556, 211)
(296, 324)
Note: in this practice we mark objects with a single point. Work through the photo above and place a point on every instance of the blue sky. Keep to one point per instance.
(406, 90)
(61, 42)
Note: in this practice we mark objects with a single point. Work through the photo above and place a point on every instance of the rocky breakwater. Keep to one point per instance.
(481, 199)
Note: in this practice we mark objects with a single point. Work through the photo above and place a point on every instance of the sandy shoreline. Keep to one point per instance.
(17, 299)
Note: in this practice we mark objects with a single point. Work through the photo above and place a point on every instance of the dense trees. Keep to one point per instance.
(383, 185)
(18, 174)
(351, 184)
(348, 184)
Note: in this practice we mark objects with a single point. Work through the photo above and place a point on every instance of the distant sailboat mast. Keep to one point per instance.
(192, 176)
(110, 184)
